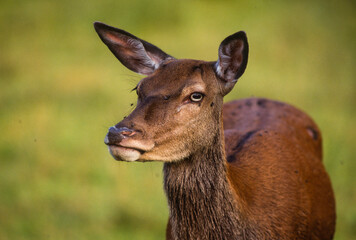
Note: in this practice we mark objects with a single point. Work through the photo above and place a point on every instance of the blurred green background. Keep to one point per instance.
(61, 88)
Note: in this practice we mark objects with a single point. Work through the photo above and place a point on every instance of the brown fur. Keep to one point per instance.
(278, 173)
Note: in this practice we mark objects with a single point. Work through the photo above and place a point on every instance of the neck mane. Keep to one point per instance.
(200, 198)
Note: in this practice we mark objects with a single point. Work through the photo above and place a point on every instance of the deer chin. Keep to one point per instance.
(130, 150)
(124, 153)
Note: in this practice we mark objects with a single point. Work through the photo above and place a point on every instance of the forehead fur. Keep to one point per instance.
(178, 74)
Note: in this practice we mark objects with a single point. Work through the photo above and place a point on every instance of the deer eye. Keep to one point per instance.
(196, 97)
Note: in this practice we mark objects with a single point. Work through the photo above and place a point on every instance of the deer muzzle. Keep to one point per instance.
(126, 144)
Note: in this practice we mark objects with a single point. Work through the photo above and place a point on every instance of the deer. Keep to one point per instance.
(247, 169)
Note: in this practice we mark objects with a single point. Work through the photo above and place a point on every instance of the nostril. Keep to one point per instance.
(128, 133)
(116, 135)
(123, 131)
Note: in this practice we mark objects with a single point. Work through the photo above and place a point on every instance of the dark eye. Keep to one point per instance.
(196, 97)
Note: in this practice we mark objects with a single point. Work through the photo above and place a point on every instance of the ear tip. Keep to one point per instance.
(99, 25)
(101, 28)
(241, 35)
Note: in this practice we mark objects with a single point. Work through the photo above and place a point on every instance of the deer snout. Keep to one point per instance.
(127, 144)
(116, 135)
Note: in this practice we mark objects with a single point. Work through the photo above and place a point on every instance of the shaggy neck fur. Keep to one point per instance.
(202, 205)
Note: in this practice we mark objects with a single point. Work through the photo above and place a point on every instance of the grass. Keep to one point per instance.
(60, 89)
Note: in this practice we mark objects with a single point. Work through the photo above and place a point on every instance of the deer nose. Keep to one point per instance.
(124, 131)
(115, 135)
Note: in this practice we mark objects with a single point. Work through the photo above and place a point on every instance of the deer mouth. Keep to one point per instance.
(124, 153)
(127, 149)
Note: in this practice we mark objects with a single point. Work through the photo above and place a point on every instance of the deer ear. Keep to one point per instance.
(233, 55)
(136, 54)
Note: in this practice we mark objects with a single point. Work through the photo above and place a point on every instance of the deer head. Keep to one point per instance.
(179, 101)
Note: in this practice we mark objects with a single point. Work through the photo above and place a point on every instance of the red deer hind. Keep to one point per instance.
(247, 169)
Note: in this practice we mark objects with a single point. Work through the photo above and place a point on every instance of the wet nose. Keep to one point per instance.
(115, 135)
(126, 132)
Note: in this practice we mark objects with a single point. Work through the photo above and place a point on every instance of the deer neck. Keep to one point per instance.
(201, 200)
